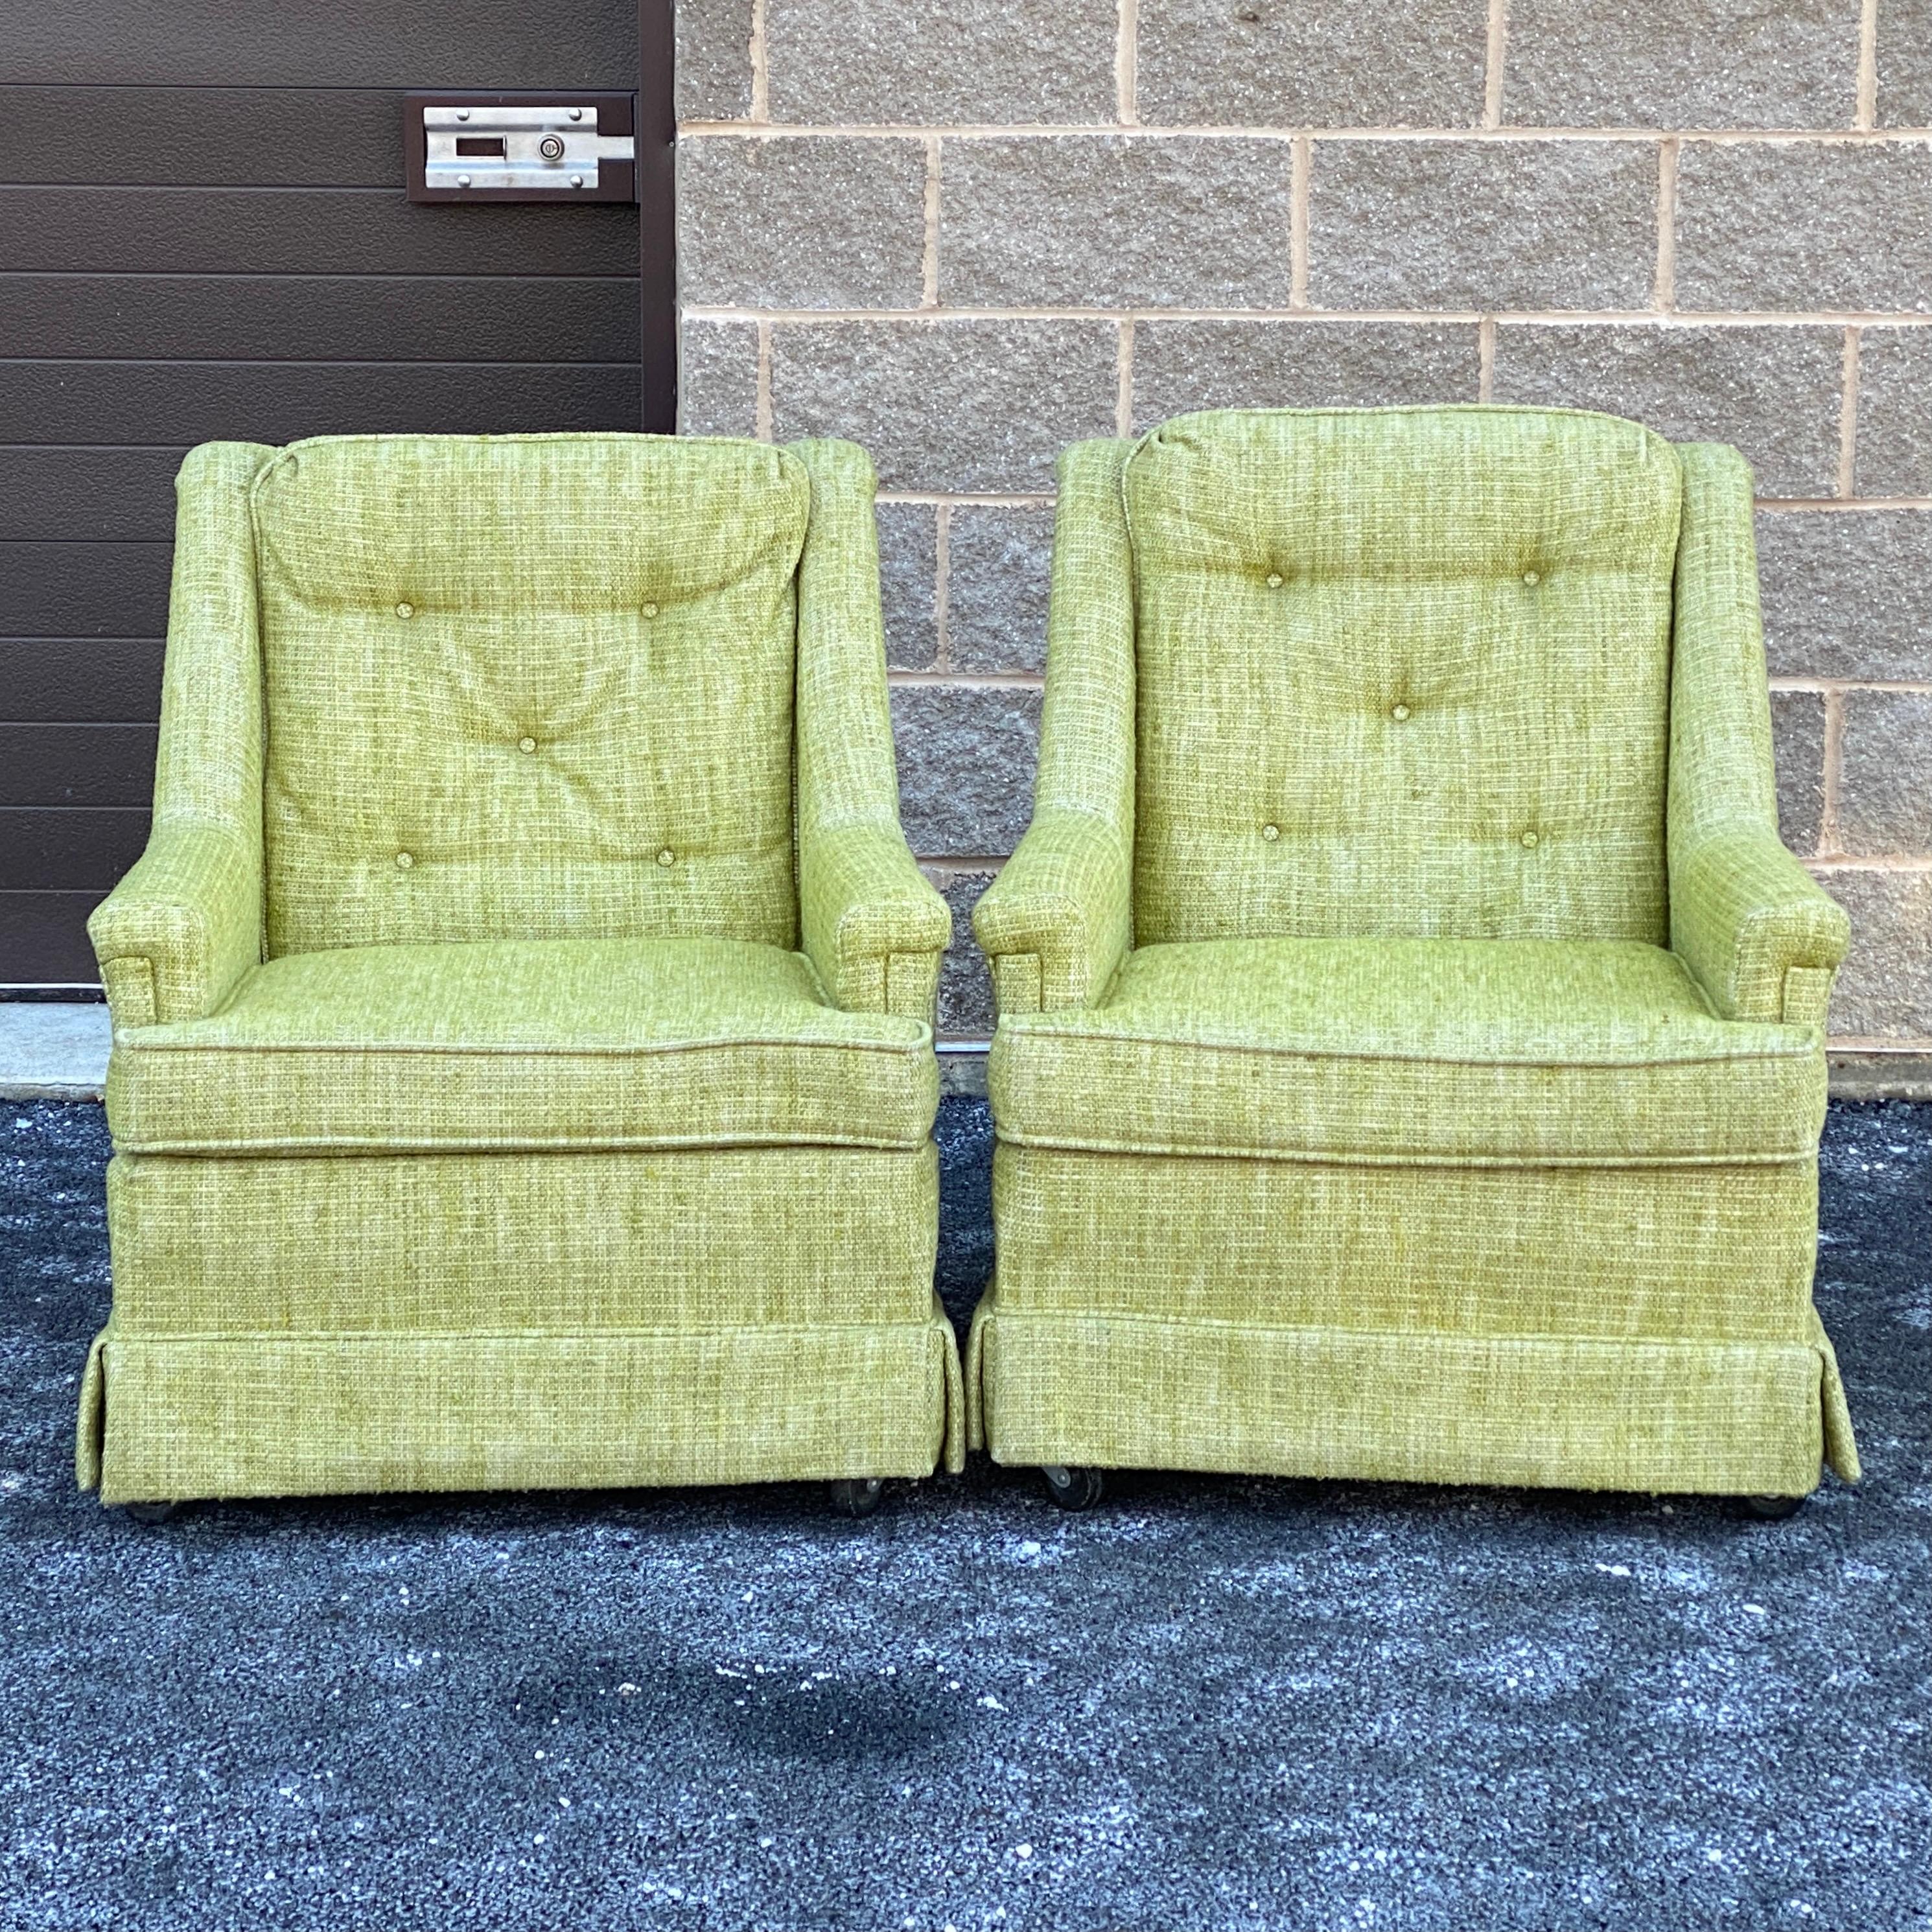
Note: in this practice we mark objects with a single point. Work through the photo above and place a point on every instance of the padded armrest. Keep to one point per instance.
(1059, 919)
(1746, 917)
(874, 926)
(1752, 924)
(184, 925)
(1055, 922)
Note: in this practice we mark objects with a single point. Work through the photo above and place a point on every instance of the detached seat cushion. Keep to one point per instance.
(1514, 1051)
(528, 1044)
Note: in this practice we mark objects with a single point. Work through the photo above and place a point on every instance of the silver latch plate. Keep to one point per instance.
(520, 147)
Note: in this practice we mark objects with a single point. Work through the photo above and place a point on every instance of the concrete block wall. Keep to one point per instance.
(967, 232)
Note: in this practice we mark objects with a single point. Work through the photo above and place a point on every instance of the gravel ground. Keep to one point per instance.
(1211, 1703)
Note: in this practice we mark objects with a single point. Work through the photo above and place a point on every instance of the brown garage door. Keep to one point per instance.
(203, 233)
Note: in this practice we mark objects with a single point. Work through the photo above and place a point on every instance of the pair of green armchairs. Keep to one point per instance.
(1410, 1060)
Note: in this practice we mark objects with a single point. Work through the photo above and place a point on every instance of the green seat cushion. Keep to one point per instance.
(528, 687)
(1402, 672)
(525, 1043)
(1531, 1050)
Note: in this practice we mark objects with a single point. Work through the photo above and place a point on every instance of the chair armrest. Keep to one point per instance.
(1055, 922)
(1755, 927)
(874, 926)
(183, 926)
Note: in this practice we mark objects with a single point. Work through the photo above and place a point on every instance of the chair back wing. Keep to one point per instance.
(1402, 672)
(525, 687)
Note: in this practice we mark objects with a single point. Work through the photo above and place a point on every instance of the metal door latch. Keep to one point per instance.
(502, 147)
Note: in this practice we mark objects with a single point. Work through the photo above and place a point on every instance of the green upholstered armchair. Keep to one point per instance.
(522, 1069)
(1410, 1060)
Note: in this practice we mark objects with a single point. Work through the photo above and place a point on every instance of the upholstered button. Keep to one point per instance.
(1530, 842)
(1400, 712)
(1270, 833)
(526, 744)
(1274, 580)
(406, 610)
(1531, 576)
(666, 857)
(650, 609)
(404, 860)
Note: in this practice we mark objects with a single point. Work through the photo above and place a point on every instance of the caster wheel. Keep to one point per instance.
(857, 1495)
(1074, 1489)
(1774, 1509)
(151, 1514)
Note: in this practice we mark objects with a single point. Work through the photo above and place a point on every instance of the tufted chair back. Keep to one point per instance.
(1402, 672)
(528, 687)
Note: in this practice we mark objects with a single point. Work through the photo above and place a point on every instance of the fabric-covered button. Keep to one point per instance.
(1274, 580)
(666, 857)
(404, 860)
(1530, 842)
(1531, 576)
(526, 744)
(1398, 712)
(406, 610)
(1270, 833)
(650, 610)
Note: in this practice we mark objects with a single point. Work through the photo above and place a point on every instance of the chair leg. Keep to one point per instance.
(856, 1495)
(1074, 1489)
(151, 1514)
(1774, 1509)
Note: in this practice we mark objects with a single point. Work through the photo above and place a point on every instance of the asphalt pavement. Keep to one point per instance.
(1212, 1703)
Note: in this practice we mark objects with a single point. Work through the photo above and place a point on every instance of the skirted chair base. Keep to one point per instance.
(170, 1418)
(289, 1325)
(1529, 1411)
(1578, 1327)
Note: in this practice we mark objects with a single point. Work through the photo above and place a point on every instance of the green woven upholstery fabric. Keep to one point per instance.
(551, 1243)
(1428, 1050)
(473, 740)
(1368, 705)
(1744, 914)
(1410, 1054)
(523, 1069)
(268, 1415)
(1708, 1254)
(1056, 923)
(874, 927)
(185, 923)
(1538, 1411)
(525, 1043)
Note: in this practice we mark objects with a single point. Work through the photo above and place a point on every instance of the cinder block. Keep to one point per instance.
(1848, 593)
(1893, 451)
(1706, 64)
(1904, 64)
(1885, 987)
(972, 405)
(1800, 226)
(714, 60)
(965, 983)
(809, 221)
(999, 559)
(1885, 774)
(1114, 221)
(940, 62)
(1798, 733)
(908, 571)
(1775, 391)
(1482, 225)
(1181, 365)
(966, 758)
(1312, 63)
(717, 379)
